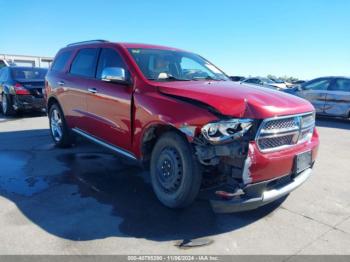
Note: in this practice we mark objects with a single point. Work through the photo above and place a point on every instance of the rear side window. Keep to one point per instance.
(84, 64)
(60, 61)
(109, 58)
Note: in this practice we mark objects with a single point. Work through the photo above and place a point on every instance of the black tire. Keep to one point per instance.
(6, 105)
(175, 173)
(62, 138)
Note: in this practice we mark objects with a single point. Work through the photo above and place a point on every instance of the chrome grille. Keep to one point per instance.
(282, 132)
(273, 142)
(280, 124)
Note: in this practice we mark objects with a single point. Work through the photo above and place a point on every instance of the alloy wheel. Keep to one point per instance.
(56, 125)
(4, 104)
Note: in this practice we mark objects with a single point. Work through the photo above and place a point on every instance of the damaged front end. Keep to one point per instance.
(222, 148)
(239, 177)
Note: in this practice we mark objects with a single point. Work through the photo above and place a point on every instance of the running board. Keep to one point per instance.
(104, 144)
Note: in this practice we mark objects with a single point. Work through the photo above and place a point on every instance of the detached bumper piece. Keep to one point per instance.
(259, 194)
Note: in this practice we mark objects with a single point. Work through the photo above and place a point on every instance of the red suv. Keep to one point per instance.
(181, 116)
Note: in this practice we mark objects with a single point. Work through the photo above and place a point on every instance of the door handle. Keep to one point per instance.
(60, 83)
(92, 90)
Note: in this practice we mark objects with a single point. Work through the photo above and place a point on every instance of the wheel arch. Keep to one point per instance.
(53, 100)
(150, 137)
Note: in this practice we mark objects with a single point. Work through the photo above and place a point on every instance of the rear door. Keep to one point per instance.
(315, 91)
(338, 98)
(109, 105)
(79, 80)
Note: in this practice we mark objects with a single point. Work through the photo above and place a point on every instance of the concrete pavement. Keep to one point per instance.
(84, 200)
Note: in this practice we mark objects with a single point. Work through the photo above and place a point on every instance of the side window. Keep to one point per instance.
(341, 84)
(84, 64)
(61, 61)
(2, 75)
(2, 64)
(317, 85)
(109, 58)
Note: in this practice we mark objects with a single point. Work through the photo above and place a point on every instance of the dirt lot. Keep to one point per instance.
(85, 201)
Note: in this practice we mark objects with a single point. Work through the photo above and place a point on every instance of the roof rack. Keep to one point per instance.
(88, 42)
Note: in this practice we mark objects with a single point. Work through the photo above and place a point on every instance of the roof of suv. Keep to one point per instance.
(124, 45)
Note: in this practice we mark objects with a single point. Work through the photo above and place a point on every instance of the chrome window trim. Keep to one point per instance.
(298, 131)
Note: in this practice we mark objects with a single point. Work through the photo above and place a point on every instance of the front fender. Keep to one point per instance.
(152, 109)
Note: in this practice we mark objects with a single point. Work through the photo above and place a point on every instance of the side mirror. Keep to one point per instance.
(114, 74)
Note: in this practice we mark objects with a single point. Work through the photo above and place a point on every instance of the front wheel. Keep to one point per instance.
(175, 173)
(59, 131)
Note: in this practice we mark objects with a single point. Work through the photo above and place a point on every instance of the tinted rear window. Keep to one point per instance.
(84, 64)
(28, 73)
(61, 61)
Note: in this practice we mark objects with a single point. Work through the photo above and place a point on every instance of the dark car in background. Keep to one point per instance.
(329, 95)
(21, 89)
(237, 78)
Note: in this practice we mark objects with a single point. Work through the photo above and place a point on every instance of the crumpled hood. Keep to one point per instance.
(238, 100)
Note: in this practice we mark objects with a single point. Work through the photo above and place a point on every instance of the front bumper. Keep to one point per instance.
(260, 194)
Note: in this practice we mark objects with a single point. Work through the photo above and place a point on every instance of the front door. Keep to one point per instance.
(109, 104)
(315, 92)
(338, 98)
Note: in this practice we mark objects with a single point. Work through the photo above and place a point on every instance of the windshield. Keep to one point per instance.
(168, 65)
(28, 73)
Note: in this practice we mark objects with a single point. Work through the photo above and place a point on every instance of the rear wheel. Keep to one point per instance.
(175, 173)
(60, 133)
(6, 105)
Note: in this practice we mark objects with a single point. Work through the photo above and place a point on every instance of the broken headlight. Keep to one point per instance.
(226, 130)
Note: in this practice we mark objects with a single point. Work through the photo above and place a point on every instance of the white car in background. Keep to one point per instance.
(265, 82)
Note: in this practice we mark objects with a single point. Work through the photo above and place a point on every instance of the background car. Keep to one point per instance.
(298, 82)
(263, 81)
(237, 78)
(21, 89)
(282, 83)
(329, 95)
